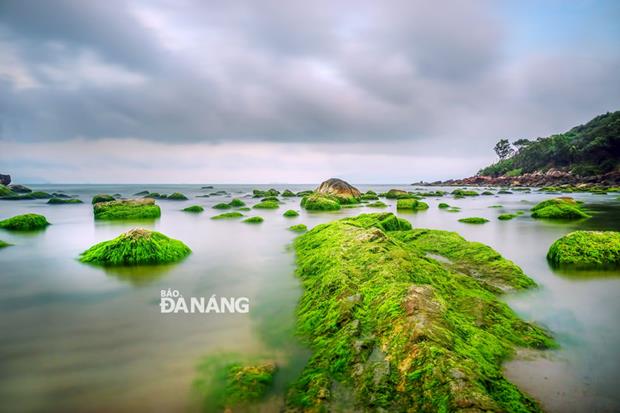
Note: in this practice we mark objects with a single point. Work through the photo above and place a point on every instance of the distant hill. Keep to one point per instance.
(586, 150)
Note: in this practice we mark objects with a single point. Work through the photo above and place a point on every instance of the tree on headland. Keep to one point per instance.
(521, 143)
(503, 149)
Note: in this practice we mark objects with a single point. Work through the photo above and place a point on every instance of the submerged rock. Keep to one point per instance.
(559, 208)
(25, 222)
(102, 198)
(177, 196)
(136, 247)
(228, 215)
(258, 193)
(194, 209)
(237, 203)
(345, 192)
(288, 193)
(474, 220)
(20, 189)
(506, 217)
(298, 228)
(587, 249)
(253, 220)
(398, 194)
(144, 208)
(377, 204)
(290, 213)
(5, 191)
(60, 201)
(267, 205)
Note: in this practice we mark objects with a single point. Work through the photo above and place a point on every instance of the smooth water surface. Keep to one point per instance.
(81, 338)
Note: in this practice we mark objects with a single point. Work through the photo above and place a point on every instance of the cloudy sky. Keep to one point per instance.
(182, 91)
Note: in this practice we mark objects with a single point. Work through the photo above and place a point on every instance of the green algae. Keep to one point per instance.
(377, 204)
(222, 206)
(270, 199)
(4, 244)
(369, 197)
(290, 213)
(586, 249)
(102, 198)
(474, 220)
(267, 205)
(177, 196)
(25, 222)
(253, 220)
(244, 209)
(412, 204)
(464, 192)
(507, 217)
(127, 209)
(288, 193)
(228, 215)
(237, 203)
(443, 205)
(5, 191)
(398, 194)
(257, 193)
(136, 247)
(194, 209)
(320, 202)
(298, 228)
(563, 208)
(401, 331)
(59, 201)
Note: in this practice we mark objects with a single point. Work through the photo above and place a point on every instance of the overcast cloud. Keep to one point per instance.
(337, 85)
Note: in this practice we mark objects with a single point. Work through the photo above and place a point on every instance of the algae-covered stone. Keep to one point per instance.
(443, 205)
(237, 203)
(194, 208)
(60, 201)
(412, 204)
(343, 191)
(398, 194)
(403, 331)
(369, 196)
(253, 220)
(25, 222)
(290, 213)
(298, 228)
(474, 220)
(257, 193)
(464, 192)
(559, 208)
(319, 202)
(228, 215)
(267, 205)
(136, 247)
(586, 249)
(288, 193)
(377, 204)
(222, 206)
(506, 217)
(270, 198)
(144, 208)
(5, 191)
(177, 196)
(4, 244)
(102, 198)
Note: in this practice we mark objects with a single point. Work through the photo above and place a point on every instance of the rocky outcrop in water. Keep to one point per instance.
(339, 188)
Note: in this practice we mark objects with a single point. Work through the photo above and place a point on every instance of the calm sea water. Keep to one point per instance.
(82, 338)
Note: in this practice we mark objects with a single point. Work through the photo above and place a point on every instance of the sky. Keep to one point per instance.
(283, 91)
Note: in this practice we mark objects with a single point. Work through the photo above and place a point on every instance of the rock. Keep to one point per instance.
(412, 204)
(586, 249)
(559, 208)
(144, 208)
(338, 188)
(398, 194)
(26, 222)
(20, 189)
(5, 179)
(320, 202)
(102, 198)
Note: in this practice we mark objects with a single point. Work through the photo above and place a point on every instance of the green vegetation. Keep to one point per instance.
(228, 215)
(4, 244)
(12, 196)
(267, 205)
(127, 209)
(369, 197)
(586, 249)
(257, 193)
(102, 198)
(298, 228)
(244, 209)
(291, 213)
(398, 194)
(377, 204)
(141, 193)
(398, 331)
(237, 203)
(253, 220)
(194, 209)
(464, 192)
(5, 191)
(319, 202)
(270, 199)
(26, 222)
(453, 209)
(486, 193)
(474, 220)
(177, 196)
(506, 217)
(288, 193)
(586, 150)
(503, 192)
(412, 204)
(222, 206)
(559, 208)
(58, 201)
(304, 193)
(136, 247)
(443, 205)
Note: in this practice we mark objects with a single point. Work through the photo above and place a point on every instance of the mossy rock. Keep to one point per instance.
(194, 209)
(5, 191)
(319, 202)
(443, 205)
(504, 192)
(474, 220)
(563, 208)
(257, 193)
(586, 249)
(228, 215)
(102, 198)
(291, 213)
(25, 222)
(270, 199)
(464, 193)
(288, 193)
(237, 203)
(507, 217)
(136, 247)
(32, 195)
(59, 201)
(453, 209)
(141, 193)
(244, 209)
(298, 228)
(267, 205)
(412, 204)
(144, 208)
(398, 194)
(253, 220)
(304, 193)
(486, 193)
(397, 328)
(369, 197)
(156, 195)
(377, 204)
(222, 206)
(4, 244)
(177, 196)
(496, 206)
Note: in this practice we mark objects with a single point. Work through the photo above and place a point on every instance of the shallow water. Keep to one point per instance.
(80, 338)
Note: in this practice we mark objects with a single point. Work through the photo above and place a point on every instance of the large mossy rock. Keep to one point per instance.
(397, 330)
(319, 202)
(26, 222)
(586, 249)
(144, 208)
(345, 192)
(559, 208)
(136, 247)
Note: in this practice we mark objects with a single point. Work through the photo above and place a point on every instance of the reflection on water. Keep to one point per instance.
(78, 337)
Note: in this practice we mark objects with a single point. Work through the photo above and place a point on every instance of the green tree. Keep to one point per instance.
(503, 149)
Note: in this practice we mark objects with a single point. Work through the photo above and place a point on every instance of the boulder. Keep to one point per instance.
(20, 189)
(5, 179)
(338, 188)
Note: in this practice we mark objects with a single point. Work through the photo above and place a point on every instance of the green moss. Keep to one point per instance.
(270, 199)
(401, 331)
(586, 249)
(474, 220)
(253, 220)
(32, 195)
(291, 213)
(377, 204)
(222, 206)
(5, 191)
(443, 205)
(127, 209)
(464, 192)
(244, 209)
(26, 222)
(228, 215)
(369, 197)
(486, 193)
(267, 205)
(177, 196)
(412, 204)
(257, 193)
(559, 208)
(319, 202)
(102, 198)
(194, 209)
(503, 192)
(398, 194)
(141, 193)
(288, 193)
(136, 247)
(304, 193)
(4, 244)
(58, 201)
(496, 206)
(237, 203)
(506, 217)
(298, 228)
(453, 209)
